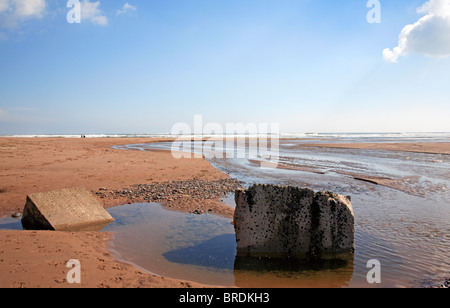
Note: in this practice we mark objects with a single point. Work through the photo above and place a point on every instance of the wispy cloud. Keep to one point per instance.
(90, 12)
(127, 8)
(14, 12)
(429, 36)
(4, 5)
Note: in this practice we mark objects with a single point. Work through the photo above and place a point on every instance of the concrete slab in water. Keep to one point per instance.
(276, 221)
(64, 210)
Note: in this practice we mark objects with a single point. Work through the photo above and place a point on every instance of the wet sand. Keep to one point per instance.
(38, 259)
(428, 147)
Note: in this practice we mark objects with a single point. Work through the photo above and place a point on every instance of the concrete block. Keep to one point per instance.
(64, 210)
(280, 221)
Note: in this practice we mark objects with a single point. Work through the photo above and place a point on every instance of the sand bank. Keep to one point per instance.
(430, 148)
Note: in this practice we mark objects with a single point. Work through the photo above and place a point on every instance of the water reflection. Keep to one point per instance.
(186, 246)
(251, 272)
(216, 252)
(202, 248)
(258, 272)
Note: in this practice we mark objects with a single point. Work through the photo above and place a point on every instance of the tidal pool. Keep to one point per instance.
(202, 248)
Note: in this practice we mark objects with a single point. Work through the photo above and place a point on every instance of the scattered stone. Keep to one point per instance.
(198, 212)
(280, 221)
(171, 191)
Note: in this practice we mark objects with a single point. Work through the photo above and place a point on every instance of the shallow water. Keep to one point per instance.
(198, 248)
(404, 226)
(10, 224)
(202, 248)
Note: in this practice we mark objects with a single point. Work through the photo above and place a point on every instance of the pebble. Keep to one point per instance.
(173, 190)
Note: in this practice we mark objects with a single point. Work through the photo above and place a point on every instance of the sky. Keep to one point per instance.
(141, 66)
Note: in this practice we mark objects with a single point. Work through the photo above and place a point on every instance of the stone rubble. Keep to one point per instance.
(171, 191)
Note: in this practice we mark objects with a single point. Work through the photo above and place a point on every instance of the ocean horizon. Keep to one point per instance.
(352, 135)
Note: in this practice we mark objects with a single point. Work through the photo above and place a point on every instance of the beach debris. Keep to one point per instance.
(16, 215)
(280, 221)
(69, 209)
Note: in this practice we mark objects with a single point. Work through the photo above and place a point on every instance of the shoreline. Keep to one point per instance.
(38, 259)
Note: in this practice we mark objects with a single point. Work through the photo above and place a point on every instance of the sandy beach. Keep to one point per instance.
(29, 165)
(115, 176)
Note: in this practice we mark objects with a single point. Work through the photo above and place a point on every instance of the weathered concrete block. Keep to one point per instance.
(281, 221)
(64, 210)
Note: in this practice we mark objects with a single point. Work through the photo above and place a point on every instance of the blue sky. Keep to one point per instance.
(142, 66)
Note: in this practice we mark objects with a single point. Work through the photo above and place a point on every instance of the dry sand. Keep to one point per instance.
(29, 165)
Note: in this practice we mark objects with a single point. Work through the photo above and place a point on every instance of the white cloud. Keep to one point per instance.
(13, 12)
(27, 8)
(429, 36)
(91, 12)
(126, 9)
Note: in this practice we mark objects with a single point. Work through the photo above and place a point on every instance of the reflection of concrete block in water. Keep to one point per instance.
(281, 220)
(293, 272)
(63, 210)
